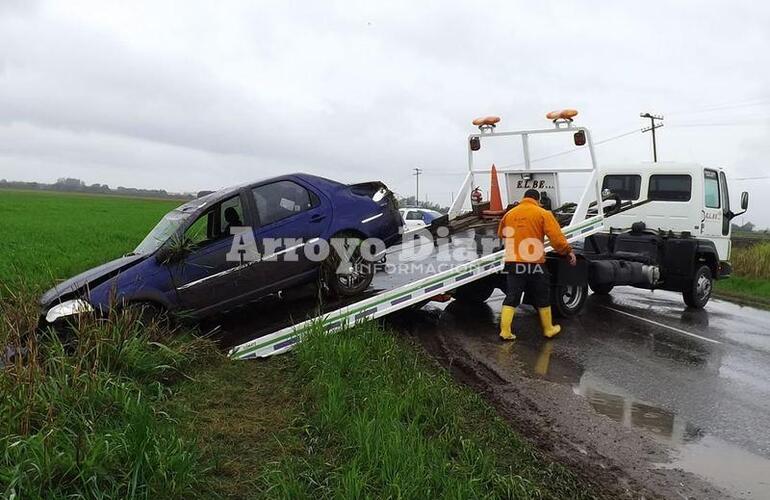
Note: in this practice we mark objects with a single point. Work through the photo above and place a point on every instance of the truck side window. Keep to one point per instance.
(670, 188)
(711, 188)
(278, 200)
(625, 186)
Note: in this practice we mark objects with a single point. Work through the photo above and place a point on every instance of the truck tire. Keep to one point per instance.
(601, 289)
(698, 292)
(568, 300)
(476, 291)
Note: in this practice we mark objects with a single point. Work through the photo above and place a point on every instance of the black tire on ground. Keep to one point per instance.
(568, 300)
(359, 275)
(476, 291)
(601, 289)
(698, 292)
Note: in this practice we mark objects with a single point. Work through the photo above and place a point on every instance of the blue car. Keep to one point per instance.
(241, 245)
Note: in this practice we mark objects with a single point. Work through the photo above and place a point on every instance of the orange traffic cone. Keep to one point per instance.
(495, 200)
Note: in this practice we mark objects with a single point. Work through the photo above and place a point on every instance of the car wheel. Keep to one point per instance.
(698, 292)
(601, 289)
(357, 274)
(476, 291)
(568, 300)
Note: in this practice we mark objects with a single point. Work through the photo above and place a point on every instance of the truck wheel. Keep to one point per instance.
(476, 291)
(603, 289)
(568, 300)
(698, 292)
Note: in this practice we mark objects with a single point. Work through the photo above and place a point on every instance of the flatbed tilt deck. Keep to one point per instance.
(684, 257)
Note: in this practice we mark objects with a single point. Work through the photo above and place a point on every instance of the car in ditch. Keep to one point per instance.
(241, 245)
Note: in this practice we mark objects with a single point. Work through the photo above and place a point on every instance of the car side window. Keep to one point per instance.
(278, 200)
(215, 223)
(670, 188)
(711, 189)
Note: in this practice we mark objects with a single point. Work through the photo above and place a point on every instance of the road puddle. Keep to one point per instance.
(727, 466)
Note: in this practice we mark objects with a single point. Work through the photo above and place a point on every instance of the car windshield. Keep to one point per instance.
(167, 226)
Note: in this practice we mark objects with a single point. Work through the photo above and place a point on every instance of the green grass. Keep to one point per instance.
(360, 414)
(751, 275)
(85, 419)
(51, 236)
(752, 262)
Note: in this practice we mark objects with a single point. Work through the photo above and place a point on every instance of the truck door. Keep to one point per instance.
(712, 216)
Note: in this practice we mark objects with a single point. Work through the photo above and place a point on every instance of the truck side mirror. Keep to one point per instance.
(744, 200)
(475, 143)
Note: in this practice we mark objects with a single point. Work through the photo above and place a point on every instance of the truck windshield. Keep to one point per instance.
(167, 226)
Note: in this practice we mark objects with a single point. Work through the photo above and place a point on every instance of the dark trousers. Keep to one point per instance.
(530, 278)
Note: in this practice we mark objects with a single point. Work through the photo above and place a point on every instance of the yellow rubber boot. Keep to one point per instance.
(506, 321)
(549, 329)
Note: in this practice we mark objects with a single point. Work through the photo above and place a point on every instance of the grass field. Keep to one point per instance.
(57, 235)
(135, 411)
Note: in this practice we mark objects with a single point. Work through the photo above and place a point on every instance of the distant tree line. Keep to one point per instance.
(409, 201)
(73, 185)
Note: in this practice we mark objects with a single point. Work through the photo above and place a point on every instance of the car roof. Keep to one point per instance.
(209, 199)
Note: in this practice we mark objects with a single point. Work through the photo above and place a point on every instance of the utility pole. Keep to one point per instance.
(417, 172)
(652, 128)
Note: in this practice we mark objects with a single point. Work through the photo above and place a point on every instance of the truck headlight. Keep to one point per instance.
(67, 308)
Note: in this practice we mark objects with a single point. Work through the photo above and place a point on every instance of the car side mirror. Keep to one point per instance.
(744, 200)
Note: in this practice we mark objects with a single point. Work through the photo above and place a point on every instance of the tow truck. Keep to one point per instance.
(646, 225)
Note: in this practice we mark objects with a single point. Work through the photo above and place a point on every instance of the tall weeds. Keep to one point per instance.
(753, 261)
(79, 414)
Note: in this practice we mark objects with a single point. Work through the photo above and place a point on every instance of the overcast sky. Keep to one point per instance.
(198, 95)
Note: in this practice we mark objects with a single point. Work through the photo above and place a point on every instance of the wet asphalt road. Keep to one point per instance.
(696, 381)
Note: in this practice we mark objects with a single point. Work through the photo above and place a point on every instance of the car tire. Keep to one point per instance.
(357, 280)
(476, 291)
(568, 300)
(698, 291)
(601, 289)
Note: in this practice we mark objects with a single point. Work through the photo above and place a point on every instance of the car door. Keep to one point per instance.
(291, 215)
(205, 279)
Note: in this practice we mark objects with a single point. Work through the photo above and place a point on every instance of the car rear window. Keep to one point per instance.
(670, 188)
(625, 186)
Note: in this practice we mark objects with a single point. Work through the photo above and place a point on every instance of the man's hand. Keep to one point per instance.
(572, 259)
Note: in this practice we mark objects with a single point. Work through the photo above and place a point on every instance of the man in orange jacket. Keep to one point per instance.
(523, 229)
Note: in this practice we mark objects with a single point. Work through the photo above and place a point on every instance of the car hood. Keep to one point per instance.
(89, 279)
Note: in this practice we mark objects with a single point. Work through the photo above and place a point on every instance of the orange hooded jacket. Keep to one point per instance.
(524, 227)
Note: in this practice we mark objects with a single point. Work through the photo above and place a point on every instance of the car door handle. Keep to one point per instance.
(317, 218)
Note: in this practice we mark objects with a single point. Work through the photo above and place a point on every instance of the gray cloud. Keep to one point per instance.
(152, 95)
